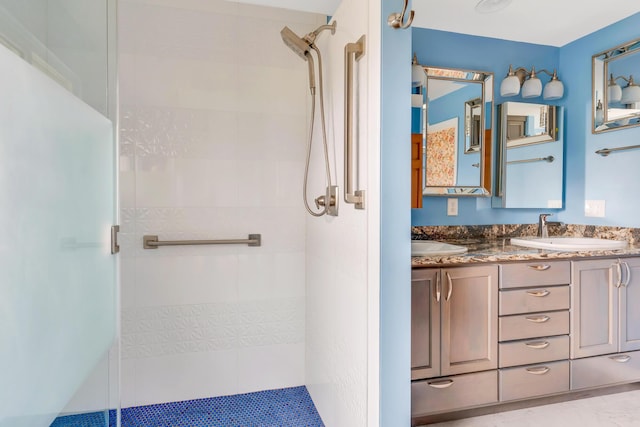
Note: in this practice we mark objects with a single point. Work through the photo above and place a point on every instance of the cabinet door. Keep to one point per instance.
(629, 305)
(425, 323)
(469, 319)
(594, 308)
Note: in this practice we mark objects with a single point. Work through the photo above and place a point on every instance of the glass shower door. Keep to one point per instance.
(57, 274)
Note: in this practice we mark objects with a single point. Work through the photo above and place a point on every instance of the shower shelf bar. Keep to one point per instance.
(152, 242)
(606, 151)
(537, 159)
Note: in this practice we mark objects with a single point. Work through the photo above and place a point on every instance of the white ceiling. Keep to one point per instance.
(547, 22)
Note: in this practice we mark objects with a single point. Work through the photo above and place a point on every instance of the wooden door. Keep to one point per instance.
(416, 170)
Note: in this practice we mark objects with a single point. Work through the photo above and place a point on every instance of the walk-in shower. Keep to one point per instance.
(303, 46)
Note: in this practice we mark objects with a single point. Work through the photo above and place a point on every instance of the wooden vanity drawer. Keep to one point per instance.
(456, 392)
(533, 325)
(605, 370)
(534, 380)
(541, 273)
(516, 301)
(535, 350)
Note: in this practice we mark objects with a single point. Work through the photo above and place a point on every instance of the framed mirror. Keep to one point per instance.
(530, 157)
(457, 135)
(615, 93)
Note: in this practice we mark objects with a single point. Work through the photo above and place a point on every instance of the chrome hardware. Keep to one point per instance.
(538, 319)
(543, 229)
(438, 288)
(332, 195)
(538, 370)
(548, 159)
(620, 358)
(626, 282)
(440, 383)
(619, 270)
(450, 291)
(396, 20)
(538, 345)
(152, 242)
(540, 293)
(539, 267)
(606, 151)
(357, 50)
(115, 247)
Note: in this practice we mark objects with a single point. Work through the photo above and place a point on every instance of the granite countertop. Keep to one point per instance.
(501, 250)
(493, 243)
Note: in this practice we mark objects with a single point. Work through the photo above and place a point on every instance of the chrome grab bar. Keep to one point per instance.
(537, 159)
(357, 50)
(152, 242)
(606, 151)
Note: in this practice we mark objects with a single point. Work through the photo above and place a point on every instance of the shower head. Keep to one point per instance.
(295, 43)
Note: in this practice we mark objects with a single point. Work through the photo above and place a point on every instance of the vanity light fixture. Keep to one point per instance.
(417, 73)
(629, 95)
(531, 84)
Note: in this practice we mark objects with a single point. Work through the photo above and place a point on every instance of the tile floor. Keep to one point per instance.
(289, 407)
(613, 410)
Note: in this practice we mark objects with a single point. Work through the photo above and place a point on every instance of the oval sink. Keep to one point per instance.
(432, 248)
(569, 243)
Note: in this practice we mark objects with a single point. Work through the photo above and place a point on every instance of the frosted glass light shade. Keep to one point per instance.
(417, 75)
(532, 88)
(614, 93)
(630, 94)
(553, 90)
(510, 86)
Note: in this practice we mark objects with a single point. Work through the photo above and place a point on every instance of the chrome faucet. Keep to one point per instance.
(543, 230)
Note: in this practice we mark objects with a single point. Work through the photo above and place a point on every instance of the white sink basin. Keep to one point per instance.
(569, 243)
(432, 248)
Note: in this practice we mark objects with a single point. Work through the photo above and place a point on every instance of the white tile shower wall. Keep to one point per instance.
(213, 118)
(340, 256)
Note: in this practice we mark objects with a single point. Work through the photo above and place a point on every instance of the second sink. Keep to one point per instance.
(569, 243)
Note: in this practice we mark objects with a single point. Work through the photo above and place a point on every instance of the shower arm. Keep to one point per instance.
(357, 51)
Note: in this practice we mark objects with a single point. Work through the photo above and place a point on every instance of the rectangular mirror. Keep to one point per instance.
(615, 95)
(530, 157)
(457, 136)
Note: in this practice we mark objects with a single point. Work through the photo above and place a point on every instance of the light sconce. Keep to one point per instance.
(531, 84)
(417, 73)
(599, 113)
(629, 95)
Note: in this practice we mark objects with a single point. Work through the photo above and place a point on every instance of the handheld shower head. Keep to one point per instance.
(295, 43)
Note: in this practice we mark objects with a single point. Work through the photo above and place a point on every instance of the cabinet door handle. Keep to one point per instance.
(538, 319)
(537, 344)
(440, 383)
(538, 370)
(538, 293)
(626, 282)
(438, 287)
(620, 358)
(450, 291)
(619, 269)
(540, 267)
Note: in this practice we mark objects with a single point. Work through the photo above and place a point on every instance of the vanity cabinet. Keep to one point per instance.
(605, 331)
(533, 329)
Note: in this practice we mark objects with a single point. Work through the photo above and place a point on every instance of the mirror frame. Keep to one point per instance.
(599, 88)
(486, 81)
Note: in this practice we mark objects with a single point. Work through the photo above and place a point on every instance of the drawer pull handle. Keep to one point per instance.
(622, 358)
(538, 319)
(539, 370)
(538, 293)
(540, 267)
(440, 383)
(537, 344)
(450, 282)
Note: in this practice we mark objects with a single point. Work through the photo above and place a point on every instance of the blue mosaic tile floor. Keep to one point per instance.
(288, 407)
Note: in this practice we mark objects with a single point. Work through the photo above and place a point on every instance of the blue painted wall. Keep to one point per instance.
(395, 225)
(587, 176)
(614, 178)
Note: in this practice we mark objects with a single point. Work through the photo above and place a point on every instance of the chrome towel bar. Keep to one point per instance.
(152, 242)
(537, 159)
(606, 151)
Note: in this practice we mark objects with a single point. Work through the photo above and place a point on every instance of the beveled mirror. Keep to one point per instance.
(615, 93)
(457, 137)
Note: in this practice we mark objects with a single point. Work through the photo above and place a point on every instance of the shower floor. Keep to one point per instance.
(283, 407)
